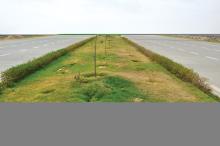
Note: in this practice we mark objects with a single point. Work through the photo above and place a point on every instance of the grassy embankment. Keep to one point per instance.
(123, 75)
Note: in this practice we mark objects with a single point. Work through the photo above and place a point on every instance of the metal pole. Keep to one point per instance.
(95, 56)
(105, 44)
(109, 44)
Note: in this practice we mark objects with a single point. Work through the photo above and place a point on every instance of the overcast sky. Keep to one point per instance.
(109, 16)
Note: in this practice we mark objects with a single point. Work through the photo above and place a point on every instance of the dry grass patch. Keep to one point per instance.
(32, 92)
(160, 85)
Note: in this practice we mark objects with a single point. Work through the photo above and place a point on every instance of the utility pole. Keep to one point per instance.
(105, 44)
(109, 43)
(95, 56)
(106, 49)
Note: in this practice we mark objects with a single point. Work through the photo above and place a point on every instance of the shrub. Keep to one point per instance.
(109, 89)
(178, 70)
(14, 74)
(95, 91)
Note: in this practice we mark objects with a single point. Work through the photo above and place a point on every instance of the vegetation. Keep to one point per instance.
(108, 89)
(123, 75)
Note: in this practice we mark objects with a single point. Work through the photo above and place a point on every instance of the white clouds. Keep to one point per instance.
(109, 16)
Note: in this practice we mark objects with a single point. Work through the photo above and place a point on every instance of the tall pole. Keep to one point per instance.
(95, 56)
(109, 43)
(105, 43)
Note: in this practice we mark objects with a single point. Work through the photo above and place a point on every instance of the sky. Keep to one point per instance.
(109, 16)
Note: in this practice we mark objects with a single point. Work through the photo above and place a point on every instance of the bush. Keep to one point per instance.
(178, 70)
(14, 74)
(95, 91)
(109, 89)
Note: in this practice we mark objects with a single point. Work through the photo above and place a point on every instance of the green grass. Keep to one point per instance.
(123, 75)
(108, 89)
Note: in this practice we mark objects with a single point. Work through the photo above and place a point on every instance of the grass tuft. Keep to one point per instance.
(95, 91)
(47, 91)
